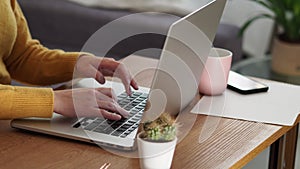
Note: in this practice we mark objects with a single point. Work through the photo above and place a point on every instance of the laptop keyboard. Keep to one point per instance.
(135, 104)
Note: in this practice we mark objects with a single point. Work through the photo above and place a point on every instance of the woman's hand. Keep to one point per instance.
(97, 67)
(88, 102)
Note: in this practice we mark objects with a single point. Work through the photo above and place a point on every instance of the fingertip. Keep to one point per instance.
(128, 91)
(117, 116)
(134, 85)
(123, 112)
(114, 116)
(109, 115)
(101, 80)
(126, 115)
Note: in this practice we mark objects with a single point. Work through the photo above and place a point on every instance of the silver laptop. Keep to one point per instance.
(174, 86)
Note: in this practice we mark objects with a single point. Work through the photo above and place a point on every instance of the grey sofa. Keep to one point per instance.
(66, 25)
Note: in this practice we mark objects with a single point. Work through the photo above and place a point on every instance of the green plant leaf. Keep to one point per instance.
(286, 15)
(264, 3)
(247, 23)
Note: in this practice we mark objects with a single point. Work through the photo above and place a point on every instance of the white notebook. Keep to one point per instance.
(280, 105)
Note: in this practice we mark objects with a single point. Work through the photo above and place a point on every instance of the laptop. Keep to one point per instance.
(174, 86)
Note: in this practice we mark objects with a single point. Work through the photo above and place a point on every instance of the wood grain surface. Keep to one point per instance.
(205, 142)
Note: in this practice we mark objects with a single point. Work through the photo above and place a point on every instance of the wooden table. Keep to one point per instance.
(261, 67)
(212, 142)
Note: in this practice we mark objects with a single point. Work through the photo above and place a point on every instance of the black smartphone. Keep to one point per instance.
(244, 85)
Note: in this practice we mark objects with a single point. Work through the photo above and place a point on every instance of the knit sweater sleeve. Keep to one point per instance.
(32, 63)
(19, 102)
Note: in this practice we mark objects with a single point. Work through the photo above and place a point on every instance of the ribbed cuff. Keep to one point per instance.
(32, 102)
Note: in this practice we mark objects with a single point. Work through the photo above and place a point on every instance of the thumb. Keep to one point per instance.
(98, 75)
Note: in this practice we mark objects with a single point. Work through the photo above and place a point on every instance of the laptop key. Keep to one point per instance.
(123, 120)
(138, 116)
(122, 104)
(131, 129)
(108, 130)
(77, 125)
(121, 129)
(102, 126)
(116, 125)
(125, 134)
(91, 126)
(99, 120)
(134, 103)
(137, 93)
(131, 115)
(123, 95)
(126, 125)
(139, 99)
(128, 107)
(135, 125)
(109, 121)
(134, 119)
(119, 123)
(99, 130)
(116, 133)
(134, 110)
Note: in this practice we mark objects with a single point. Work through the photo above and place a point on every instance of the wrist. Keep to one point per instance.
(56, 102)
(84, 54)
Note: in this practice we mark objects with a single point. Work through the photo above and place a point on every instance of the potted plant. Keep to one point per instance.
(157, 142)
(286, 44)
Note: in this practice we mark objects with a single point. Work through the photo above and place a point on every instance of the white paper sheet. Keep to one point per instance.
(280, 105)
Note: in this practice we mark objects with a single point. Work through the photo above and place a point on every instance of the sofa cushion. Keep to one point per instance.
(180, 7)
(66, 25)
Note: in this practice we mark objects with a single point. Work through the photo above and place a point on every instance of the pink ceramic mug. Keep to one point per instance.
(215, 74)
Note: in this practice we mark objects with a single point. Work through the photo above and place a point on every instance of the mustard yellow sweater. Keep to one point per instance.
(26, 60)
